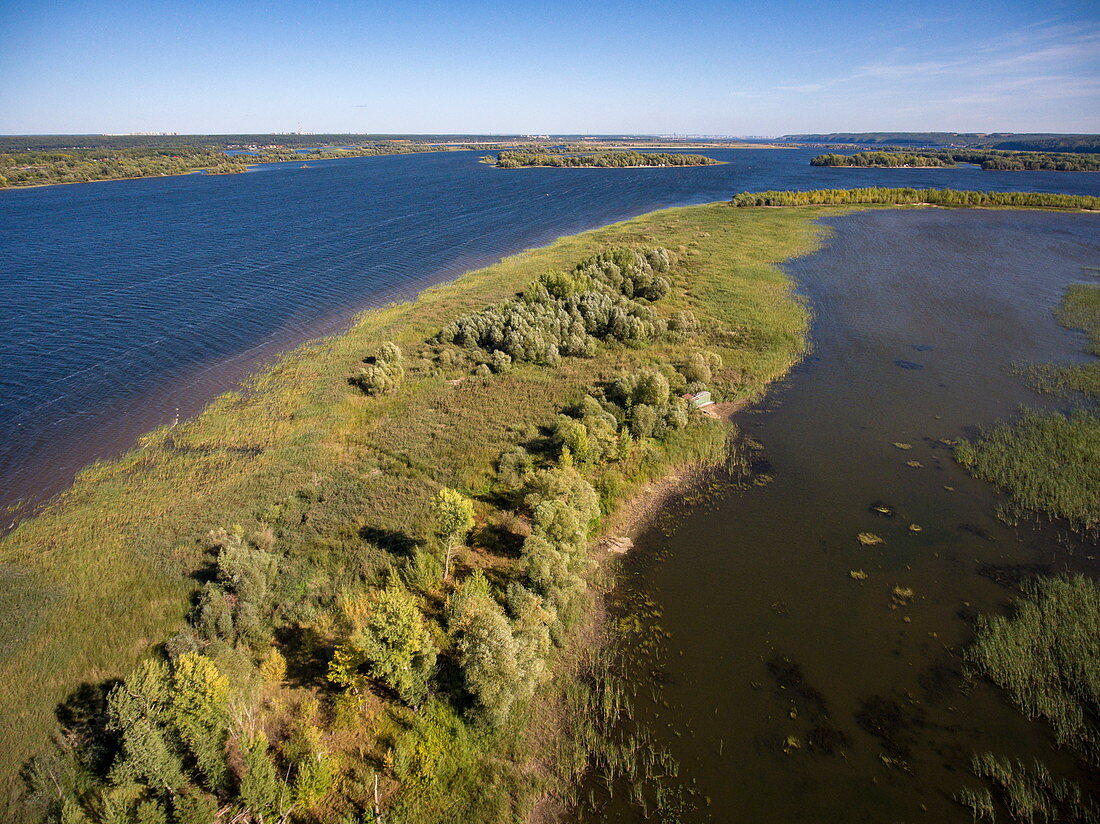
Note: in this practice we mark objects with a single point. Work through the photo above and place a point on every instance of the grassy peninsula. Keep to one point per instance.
(1004, 161)
(599, 160)
(361, 583)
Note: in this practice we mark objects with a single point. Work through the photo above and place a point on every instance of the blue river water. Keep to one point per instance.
(128, 303)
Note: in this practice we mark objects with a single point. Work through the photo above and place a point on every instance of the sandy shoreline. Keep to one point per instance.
(638, 512)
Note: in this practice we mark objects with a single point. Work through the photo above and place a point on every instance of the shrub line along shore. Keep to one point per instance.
(451, 489)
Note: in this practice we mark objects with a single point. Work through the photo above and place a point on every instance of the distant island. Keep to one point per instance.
(599, 160)
(992, 160)
(1005, 141)
(85, 165)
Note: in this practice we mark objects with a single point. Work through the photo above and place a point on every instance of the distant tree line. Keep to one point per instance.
(996, 160)
(936, 197)
(609, 159)
(1041, 142)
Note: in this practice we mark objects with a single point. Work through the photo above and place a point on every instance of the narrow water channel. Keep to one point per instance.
(789, 690)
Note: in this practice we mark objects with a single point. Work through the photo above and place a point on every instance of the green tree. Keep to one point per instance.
(169, 716)
(262, 793)
(454, 518)
(395, 645)
(487, 649)
(138, 711)
(199, 714)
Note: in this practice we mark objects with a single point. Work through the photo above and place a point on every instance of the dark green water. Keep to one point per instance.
(917, 317)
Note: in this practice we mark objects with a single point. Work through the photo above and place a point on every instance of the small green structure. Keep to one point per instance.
(700, 399)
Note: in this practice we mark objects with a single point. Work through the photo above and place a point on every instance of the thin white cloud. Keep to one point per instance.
(1045, 60)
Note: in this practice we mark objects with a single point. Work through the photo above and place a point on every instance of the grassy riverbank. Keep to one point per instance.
(334, 487)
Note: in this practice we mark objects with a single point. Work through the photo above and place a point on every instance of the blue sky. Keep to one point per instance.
(695, 66)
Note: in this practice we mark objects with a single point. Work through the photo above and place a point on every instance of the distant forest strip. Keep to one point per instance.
(64, 142)
(602, 160)
(997, 161)
(1038, 142)
(43, 168)
(934, 197)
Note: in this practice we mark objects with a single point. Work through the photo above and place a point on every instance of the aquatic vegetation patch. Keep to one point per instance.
(1046, 656)
(1028, 793)
(1079, 309)
(1048, 463)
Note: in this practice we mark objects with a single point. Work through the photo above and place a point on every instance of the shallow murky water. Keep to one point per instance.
(781, 667)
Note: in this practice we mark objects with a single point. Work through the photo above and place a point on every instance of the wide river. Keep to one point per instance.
(128, 303)
(789, 690)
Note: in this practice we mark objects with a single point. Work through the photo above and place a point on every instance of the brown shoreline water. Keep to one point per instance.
(779, 667)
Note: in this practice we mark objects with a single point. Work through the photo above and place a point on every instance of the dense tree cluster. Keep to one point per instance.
(604, 298)
(83, 165)
(883, 159)
(602, 159)
(383, 372)
(936, 197)
(391, 645)
(997, 160)
(177, 741)
(1033, 161)
(1042, 142)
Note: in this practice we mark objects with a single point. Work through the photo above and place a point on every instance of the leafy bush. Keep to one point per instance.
(384, 374)
(393, 647)
(236, 606)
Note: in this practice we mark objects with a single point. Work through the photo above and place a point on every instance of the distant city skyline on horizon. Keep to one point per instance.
(698, 67)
